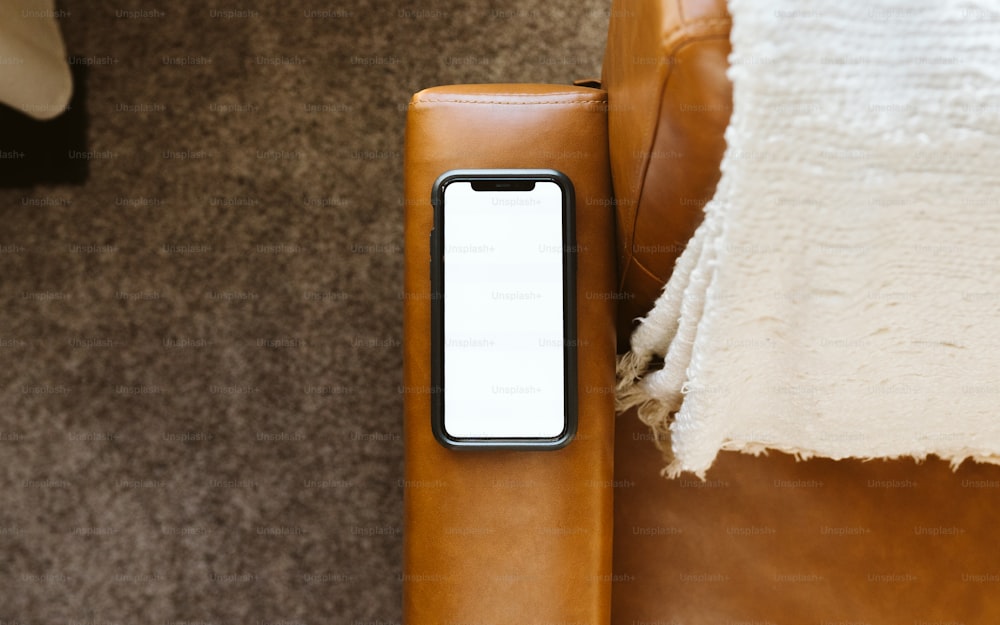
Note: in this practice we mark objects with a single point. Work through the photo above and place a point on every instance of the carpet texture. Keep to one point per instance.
(200, 331)
(840, 298)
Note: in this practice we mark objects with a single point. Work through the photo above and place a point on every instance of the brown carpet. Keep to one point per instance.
(200, 329)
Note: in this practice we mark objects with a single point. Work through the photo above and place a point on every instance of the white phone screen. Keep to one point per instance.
(503, 312)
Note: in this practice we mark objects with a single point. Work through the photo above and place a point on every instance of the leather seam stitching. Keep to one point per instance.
(646, 270)
(581, 92)
(509, 102)
(671, 36)
(547, 95)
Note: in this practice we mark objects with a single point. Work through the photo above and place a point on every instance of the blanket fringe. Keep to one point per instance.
(657, 415)
(629, 370)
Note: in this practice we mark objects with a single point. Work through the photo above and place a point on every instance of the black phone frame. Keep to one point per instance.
(569, 252)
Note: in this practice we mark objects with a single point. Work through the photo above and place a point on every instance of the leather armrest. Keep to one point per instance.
(510, 536)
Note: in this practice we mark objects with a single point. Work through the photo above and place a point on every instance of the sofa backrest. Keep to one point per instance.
(669, 102)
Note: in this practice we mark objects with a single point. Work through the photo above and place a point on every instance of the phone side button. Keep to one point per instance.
(431, 241)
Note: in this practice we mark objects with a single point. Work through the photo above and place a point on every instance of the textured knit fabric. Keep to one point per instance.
(842, 296)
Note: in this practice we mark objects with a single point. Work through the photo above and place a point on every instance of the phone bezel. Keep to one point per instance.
(438, 383)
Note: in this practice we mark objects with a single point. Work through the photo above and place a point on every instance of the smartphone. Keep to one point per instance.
(503, 309)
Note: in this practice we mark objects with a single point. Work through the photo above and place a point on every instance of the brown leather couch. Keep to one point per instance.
(592, 534)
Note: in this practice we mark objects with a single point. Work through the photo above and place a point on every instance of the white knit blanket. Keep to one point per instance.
(842, 296)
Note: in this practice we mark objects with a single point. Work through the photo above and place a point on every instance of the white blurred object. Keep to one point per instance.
(34, 72)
